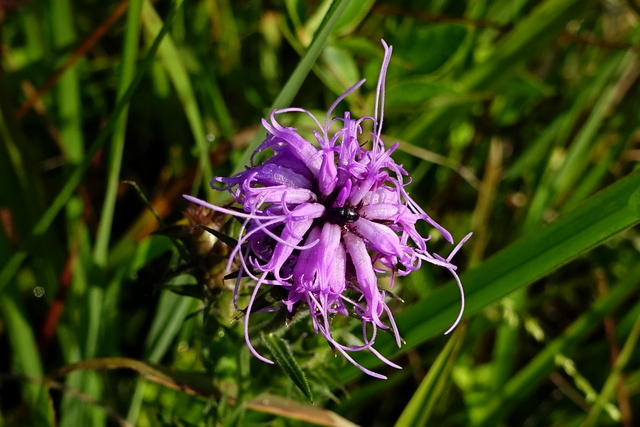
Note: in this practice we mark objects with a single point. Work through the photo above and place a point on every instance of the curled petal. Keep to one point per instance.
(300, 147)
(380, 237)
(337, 273)
(328, 175)
(304, 273)
(291, 236)
(246, 322)
(271, 174)
(367, 282)
(278, 193)
(314, 266)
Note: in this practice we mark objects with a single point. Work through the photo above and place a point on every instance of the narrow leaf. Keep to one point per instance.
(229, 241)
(420, 407)
(284, 357)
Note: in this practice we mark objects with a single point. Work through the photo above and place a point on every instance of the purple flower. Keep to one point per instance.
(324, 219)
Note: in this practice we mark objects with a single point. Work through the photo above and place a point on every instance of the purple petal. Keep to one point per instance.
(367, 282)
(380, 237)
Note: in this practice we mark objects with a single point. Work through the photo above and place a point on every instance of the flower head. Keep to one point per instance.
(324, 219)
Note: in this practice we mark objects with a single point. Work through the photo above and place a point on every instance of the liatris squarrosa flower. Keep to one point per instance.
(324, 219)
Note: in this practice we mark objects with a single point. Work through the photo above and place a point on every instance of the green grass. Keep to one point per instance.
(517, 120)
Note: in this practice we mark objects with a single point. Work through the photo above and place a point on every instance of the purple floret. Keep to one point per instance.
(325, 219)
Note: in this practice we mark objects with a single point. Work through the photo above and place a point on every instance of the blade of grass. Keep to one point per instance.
(68, 88)
(592, 179)
(26, 358)
(116, 148)
(174, 65)
(613, 378)
(75, 334)
(419, 409)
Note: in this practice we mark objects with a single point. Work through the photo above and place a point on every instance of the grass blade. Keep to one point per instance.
(116, 149)
(419, 409)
